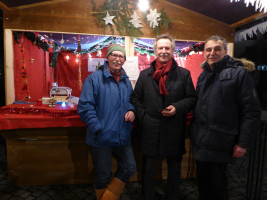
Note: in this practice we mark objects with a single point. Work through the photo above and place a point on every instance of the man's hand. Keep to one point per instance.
(129, 116)
(169, 111)
(239, 151)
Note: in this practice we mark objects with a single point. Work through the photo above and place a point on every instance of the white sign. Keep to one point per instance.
(94, 63)
(131, 68)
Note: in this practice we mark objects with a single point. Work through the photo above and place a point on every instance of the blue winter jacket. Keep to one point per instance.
(102, 106)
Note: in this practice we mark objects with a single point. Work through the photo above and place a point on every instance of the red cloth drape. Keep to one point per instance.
(67, 71)
(192, 63)
(38, 72)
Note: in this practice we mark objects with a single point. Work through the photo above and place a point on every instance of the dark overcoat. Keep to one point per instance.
(163, 136)
(227, 112)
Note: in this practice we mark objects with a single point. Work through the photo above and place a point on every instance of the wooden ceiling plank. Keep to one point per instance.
(248, 19)
(3, 6)
(50, 2)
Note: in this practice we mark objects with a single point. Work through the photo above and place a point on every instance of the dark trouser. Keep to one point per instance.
(148, 177)
(102, 158)
(212, 180)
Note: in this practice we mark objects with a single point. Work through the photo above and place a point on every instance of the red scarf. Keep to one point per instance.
(161, 75)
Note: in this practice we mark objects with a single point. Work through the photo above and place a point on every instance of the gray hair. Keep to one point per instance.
(164, 36)
(217, 38)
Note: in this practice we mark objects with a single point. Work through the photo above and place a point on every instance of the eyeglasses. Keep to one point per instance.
(116, 56)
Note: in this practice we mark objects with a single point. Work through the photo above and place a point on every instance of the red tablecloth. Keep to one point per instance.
(17, 116)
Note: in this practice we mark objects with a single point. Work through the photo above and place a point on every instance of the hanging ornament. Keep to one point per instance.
(153, 18)
(79, 48)
(135, 20)
(51, 44)
(62, 40)
(24, 72)
(108, 19)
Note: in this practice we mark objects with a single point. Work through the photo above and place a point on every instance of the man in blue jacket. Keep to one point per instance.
(226, 115)
(105, 107)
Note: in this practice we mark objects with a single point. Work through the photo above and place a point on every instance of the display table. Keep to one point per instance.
(18, 116)
(46, 146)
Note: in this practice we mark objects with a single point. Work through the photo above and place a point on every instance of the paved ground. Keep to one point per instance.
(237, 188)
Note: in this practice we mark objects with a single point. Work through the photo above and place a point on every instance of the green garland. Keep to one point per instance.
(33, 38)
(40, 44)
(123, 10)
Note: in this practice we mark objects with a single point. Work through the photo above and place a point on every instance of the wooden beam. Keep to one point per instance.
(3, 6)
(38, 4)
(248, 19)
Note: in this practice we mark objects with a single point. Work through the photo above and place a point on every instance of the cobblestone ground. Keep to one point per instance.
(237, 188)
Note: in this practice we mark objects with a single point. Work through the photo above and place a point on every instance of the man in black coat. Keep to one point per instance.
(226, 115)
(163, 95)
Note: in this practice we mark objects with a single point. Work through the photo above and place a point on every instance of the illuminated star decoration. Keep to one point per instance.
(108, 19)
(153, 18)
(135, 20)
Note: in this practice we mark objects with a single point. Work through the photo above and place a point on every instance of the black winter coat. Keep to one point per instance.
(163, 136)
(227, 111)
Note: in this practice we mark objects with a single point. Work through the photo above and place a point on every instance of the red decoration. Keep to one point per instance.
(79, 48)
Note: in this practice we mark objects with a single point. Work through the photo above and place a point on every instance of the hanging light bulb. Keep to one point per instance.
(143, 5)
(89, 55)
(148, 57)
(67, 58)
(99, 53)
(77, 60)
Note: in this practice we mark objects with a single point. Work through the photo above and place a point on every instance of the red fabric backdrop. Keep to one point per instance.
(192, 63)
(69, 73)
(38, 73)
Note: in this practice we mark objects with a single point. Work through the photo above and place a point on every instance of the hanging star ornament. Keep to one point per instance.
(135, 20)
(153, 18)
(108, 19)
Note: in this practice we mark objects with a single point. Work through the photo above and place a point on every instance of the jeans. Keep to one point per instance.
(102, 158)
(173, 180)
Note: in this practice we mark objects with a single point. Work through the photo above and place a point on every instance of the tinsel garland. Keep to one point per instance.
(38, 111)
(186, 51)
(33, 38)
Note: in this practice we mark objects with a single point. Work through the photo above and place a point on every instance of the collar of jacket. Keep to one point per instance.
(218, 66)
(108, 74)
(153, 68)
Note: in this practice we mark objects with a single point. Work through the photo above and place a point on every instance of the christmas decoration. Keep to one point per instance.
(62, 40)
(135, 20)
(260, 5)
(33, 38)
(153, 17)
(108, 19)
(198, 47)
(79, 48)
(121, 11)
(24, 71)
